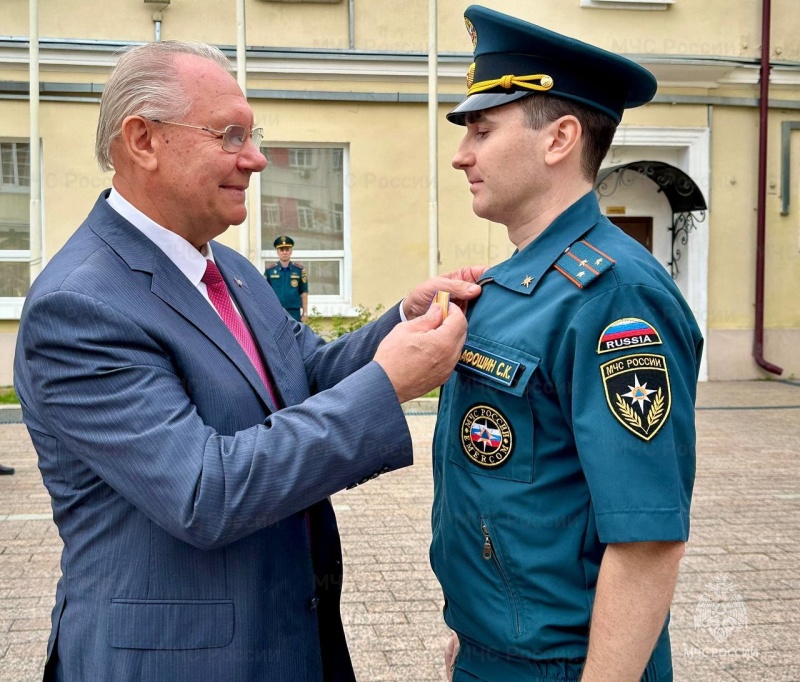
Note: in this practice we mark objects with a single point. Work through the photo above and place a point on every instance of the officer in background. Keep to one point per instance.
(564, 450)
(289, 280)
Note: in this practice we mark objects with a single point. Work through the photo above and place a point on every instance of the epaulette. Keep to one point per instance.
(272, 265)
(299, 265)
(583, 263)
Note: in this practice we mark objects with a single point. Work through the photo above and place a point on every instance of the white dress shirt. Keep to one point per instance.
(186, 257)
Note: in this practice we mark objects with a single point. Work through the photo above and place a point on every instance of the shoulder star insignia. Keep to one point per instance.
(598, 261)
(583, 262)
(527, 281)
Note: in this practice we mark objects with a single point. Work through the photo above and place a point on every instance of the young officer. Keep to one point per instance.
(564, 451)
(289, 280)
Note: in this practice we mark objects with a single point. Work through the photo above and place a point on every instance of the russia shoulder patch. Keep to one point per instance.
(626, 333)
(583, 263)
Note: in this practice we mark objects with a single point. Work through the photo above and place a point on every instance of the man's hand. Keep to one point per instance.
(420, 355)
(450, 653)
(459, 283)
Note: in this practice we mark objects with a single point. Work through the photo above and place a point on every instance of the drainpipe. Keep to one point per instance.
(241, 78)
(35, 214)
(433, 141)
(158, 17)
(761, 234)
(351, 24)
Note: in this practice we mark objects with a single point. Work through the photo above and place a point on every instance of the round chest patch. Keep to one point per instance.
(486, 436)
(295, 283)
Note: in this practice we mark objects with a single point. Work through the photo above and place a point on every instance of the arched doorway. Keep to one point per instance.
(687, 206)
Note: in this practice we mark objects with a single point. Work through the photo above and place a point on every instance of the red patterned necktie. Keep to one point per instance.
(218, 293)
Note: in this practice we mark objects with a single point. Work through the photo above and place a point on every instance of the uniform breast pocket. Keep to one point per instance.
(491, 422)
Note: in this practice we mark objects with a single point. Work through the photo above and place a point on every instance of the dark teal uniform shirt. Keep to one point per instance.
(288, 283)
(568, 424)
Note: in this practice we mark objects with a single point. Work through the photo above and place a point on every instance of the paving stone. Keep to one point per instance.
(25, 624)
(745, 528)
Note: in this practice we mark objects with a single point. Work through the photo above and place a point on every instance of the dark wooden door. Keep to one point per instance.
(641, 229)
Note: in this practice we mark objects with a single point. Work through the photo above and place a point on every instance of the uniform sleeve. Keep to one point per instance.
(105, 391)
(630, 359)
(303, 280)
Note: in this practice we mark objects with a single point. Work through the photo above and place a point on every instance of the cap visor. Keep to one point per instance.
(484, 100)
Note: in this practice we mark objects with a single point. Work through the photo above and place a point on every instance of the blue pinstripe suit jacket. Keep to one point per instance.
(177, 487)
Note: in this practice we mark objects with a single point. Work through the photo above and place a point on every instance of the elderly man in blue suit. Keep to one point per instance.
(189, 431)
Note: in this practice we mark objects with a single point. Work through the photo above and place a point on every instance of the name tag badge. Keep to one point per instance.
(491, 366)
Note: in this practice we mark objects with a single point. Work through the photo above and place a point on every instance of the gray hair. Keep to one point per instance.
(145, 83)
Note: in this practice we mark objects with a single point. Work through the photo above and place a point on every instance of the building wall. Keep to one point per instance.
(689, 27)
(703, 51)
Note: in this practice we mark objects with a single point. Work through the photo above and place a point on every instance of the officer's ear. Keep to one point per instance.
(563, 136)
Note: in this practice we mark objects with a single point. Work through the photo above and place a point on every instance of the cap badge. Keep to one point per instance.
(470, 75)
(473, 34)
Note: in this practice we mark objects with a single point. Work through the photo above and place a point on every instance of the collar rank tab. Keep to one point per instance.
(583, 263)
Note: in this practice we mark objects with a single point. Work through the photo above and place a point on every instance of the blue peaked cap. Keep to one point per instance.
(514, 59)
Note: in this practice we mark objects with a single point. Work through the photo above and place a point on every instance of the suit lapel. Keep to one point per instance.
(172, 287)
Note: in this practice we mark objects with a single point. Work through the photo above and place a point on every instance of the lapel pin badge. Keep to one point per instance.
(238, 281)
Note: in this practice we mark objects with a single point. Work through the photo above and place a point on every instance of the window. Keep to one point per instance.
(326, 276)
(305, 216)
(301, 158)
(337, 218)
(15, 239)
(304, 196)
(271, 212)
(16, 163)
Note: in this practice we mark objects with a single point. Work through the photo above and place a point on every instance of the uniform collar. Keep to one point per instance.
(525, 269)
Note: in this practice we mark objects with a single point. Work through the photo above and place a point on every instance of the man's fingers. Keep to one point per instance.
(456, 287)
(430, 320)
(471, 273)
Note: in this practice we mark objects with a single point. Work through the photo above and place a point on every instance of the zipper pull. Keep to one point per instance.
(487, 543)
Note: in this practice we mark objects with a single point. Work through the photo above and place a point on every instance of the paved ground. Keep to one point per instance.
(737, 609)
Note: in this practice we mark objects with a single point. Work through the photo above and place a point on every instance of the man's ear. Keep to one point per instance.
(565, 133)
(136, 139)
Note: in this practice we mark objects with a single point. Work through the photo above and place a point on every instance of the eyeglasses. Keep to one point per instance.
(233, 137)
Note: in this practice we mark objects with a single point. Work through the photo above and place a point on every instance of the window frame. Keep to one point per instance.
(14, 187)
(11, 306)
(324, 304)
